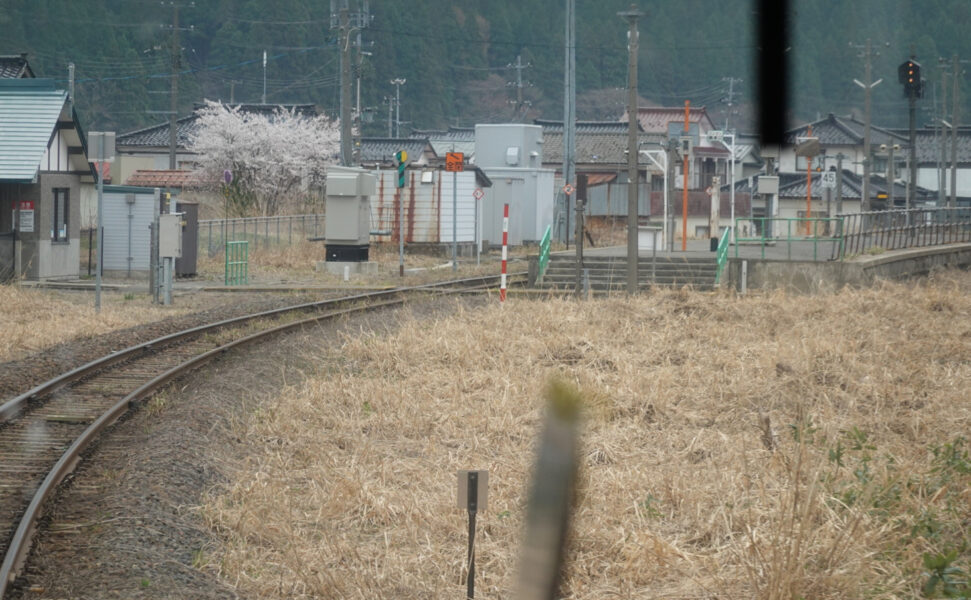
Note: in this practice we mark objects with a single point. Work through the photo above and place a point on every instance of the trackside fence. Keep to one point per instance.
(261, 232)
(899, 229)
(809, 237)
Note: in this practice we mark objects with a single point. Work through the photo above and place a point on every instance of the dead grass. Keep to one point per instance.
(761, 447)
(297, 262)
(32, 320)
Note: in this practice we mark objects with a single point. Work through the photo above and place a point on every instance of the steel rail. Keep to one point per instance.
(19, 546)
(12, 408)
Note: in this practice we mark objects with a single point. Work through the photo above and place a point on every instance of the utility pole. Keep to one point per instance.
(569, 111)
(839, 183)
(345, 49)
(263, 98)
(913, 93)
(669, 150)
(632, 15)
(731, 97)
(867, 87)
(397, 83)
(340, 19)
(70, 79)
(232, 90)
(174, 99)
(521, 104)
(956, 71)
(390, 102)
(941, 124)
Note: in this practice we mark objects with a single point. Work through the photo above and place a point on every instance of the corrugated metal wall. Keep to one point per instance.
(116, 232)
(427, 201)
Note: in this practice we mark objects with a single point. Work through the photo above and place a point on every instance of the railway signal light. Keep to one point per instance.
(908, 73)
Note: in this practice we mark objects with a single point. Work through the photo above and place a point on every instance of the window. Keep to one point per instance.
(62, 200)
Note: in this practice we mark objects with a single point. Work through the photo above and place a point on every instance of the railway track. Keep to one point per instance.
(44, 431)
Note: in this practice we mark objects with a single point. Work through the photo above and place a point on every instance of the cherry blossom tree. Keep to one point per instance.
(275, 158)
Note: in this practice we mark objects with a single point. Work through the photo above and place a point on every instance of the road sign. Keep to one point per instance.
(478, 499)
(478, 193)
(828, 179)
(807, 146)
(402, 157)
(26, 212)
(568, 189)
(454, 162)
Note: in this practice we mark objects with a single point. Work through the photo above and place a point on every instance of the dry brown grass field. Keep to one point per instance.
(767, 446)
(32, 320)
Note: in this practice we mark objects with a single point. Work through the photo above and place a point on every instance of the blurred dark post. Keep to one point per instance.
(773, 69)
(551, 497)
(581, 203)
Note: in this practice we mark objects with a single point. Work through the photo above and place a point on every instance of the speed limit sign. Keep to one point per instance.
(829, 179)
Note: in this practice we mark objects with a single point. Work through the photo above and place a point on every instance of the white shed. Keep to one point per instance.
(128, 215)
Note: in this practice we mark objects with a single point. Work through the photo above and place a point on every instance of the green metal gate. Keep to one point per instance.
(237, 263)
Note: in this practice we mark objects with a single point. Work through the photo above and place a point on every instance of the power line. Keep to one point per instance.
(521, 44)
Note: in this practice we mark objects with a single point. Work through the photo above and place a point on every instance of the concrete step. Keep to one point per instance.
(620, 286)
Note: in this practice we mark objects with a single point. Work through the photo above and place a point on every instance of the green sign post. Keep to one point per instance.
(402, 157)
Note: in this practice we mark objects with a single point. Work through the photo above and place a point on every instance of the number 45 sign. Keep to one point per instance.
(829, 179)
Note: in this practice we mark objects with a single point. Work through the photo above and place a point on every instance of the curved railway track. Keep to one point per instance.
(44, 431)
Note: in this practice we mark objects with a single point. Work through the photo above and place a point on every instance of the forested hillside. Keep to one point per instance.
(455, 55)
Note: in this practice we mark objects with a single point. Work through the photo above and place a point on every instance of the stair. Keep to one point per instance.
(609, 273)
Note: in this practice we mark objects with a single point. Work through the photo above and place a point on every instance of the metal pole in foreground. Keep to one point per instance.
(401, 234)
(505, 244)
(473, 495)
(686, 167)
(956, 74)
(101, 196)
(455, 221)
(569, 114)
(731, 182)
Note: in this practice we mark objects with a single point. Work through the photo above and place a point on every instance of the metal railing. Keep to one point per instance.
(798, 234)
(544, 251)
(898, 229)
(237, 263)
(261, 231)
(721, 254)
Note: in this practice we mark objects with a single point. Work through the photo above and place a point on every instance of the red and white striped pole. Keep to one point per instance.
(505, 242)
